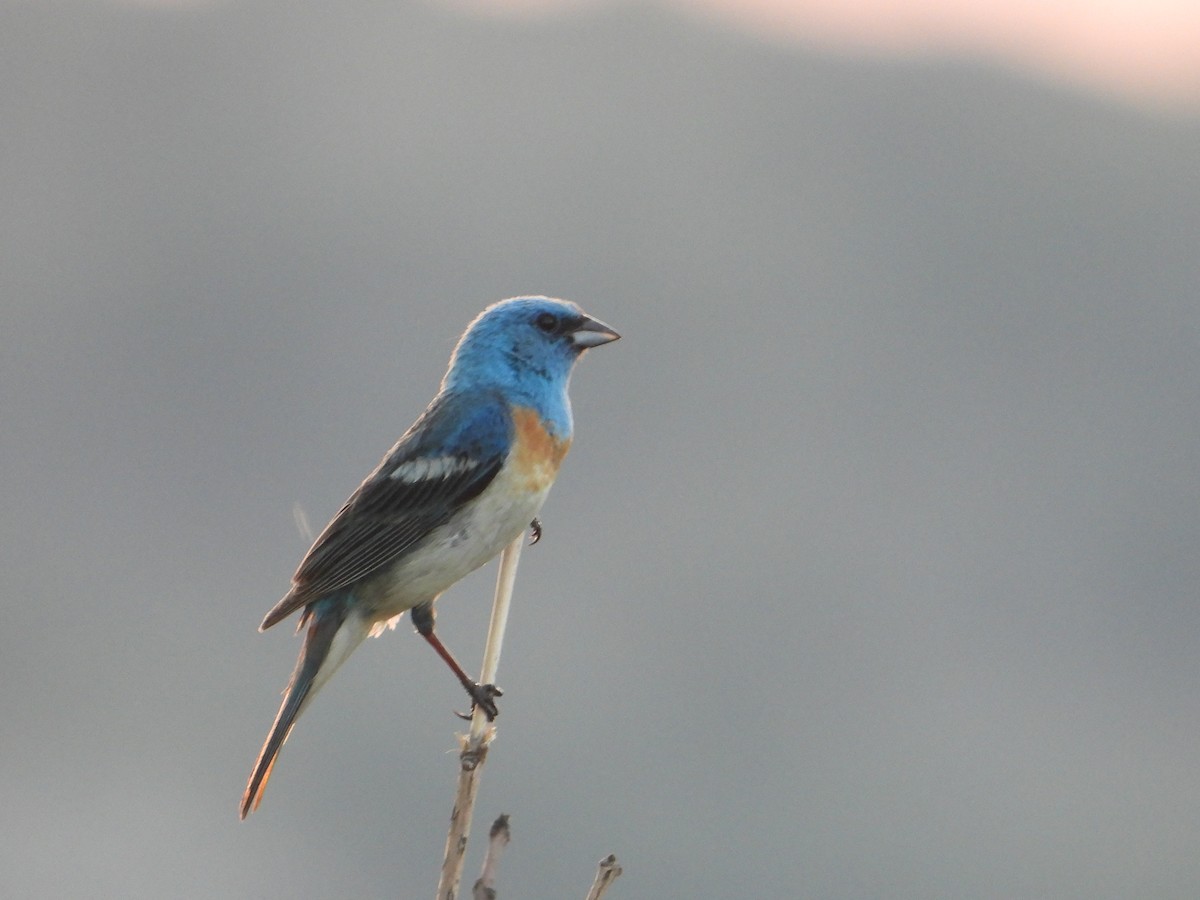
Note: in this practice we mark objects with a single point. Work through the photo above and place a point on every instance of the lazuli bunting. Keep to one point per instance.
(462, 483)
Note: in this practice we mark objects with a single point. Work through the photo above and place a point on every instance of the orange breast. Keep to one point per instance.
(539, 453)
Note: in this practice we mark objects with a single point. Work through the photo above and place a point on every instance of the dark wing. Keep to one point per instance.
(445, 460)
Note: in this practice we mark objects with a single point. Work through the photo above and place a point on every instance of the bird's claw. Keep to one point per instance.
(535, 531)
(483, 696)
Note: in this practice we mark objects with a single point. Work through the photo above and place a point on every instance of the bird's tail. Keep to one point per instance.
(334, 632)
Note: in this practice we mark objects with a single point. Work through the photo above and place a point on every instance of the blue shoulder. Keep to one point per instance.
(474, 424)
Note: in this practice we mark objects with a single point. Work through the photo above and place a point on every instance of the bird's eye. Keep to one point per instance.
(548, 322)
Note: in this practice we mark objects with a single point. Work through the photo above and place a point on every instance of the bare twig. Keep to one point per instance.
(301, 519)
(498, 838)
(608, 872)
(474, 746)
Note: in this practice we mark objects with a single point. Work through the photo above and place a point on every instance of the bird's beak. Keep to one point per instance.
(592, 333)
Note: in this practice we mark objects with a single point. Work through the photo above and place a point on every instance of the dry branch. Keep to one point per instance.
(608, 872)
(474, 746)
(498, 838)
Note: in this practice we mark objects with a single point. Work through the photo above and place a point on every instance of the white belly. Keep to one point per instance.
(473, 537)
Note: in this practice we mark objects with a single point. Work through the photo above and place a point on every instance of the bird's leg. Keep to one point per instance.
(535, 531)
(482, 695)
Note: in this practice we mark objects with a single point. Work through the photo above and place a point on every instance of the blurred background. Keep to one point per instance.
(873, 571)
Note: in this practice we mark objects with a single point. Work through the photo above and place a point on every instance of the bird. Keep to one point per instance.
(466, 479)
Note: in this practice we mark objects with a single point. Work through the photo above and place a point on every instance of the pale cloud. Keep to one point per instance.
(172, 4)
(1143, 50)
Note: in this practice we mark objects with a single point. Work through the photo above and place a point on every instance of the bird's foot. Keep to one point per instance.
(483, 696)
(535, 531)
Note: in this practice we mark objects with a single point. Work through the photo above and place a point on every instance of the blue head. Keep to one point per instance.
(526, 348)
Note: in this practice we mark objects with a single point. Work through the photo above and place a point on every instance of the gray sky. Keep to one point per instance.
(872, 572)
